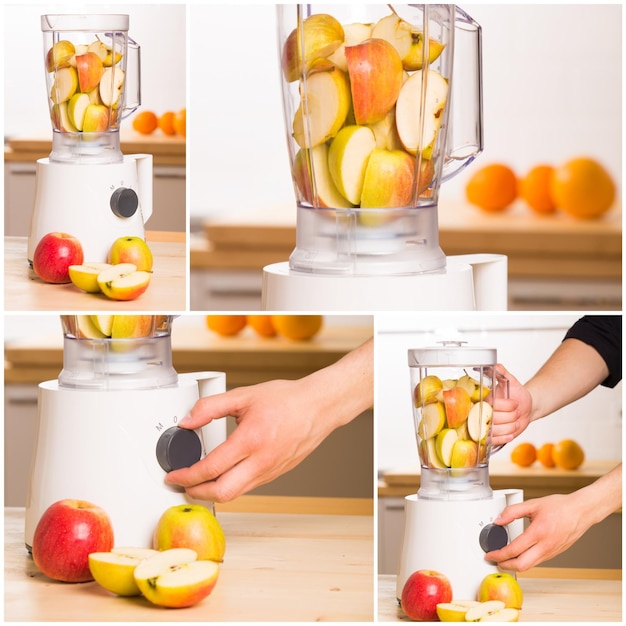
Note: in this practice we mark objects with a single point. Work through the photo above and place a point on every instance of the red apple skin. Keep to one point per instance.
(131, 250)
(501, 586)
(68, 531)
(423, 590)
(53, 256)
(457, 403)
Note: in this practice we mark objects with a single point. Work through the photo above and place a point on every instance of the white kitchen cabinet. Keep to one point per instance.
(225, 290)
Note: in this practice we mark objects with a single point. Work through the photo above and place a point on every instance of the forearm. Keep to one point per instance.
(603, 497)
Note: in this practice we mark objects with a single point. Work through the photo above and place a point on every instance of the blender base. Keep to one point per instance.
(469, 282)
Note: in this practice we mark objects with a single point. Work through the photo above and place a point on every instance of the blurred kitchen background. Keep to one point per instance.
(523, 342)
(552, 91)
(34, 353)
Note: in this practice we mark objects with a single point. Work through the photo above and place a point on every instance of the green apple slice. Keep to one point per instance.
(433, 459)
(76, 109)
(444, 443)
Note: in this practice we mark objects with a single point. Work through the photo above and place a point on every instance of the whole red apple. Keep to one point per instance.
(422, 592)
(53, 256)
(68, 531)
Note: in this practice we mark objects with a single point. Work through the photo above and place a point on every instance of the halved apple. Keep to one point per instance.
(174, 578)
(123, 282)
(89, 68)
(479, 420)
(491, 611)
(65, 84)
(411, 108)
(76, 108)
(115, 570)
(111, 85)
(455, 611)
(85, 276)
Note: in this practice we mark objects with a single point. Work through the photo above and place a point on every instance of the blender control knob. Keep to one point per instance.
(124, 202)
(178, 447)
(493, 537)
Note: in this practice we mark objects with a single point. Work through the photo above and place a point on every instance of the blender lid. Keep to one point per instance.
(84, 22)
(452, 353)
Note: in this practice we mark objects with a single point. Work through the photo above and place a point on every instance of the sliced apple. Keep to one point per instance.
(115, 570)
(87, 329)
(76, 108)
(59, 55)
(427, 390)
(96, 118)
(432, 458)
(99, 48)
(433, 419)
(479, 420)
(103, 323)
(455, 611)
(464, 454)
(457, 404)
(111, 85)
(491, 611)
(89, 68)
(123, 282)
(174, 578)
(85, 276)
(444, 443)
(386, 133)
(131, 326)
(388, 180)
(353, 34)
(65, 85)
(348, 155)
(411, 108)
(60, 118)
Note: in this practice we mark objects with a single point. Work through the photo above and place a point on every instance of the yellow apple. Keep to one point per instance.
(318, 36)
(457, 404)
(376, 76)
(479, 420)
(353, 34)
(115, 570)
(455, 611)
(60, 118)
(111, 85)
(89, 68)
(348, 155)
(388, 181)
(131, 249)
(131, 326)
(103, 323)
(96, 119)
(85, 276)
(444, 443)
(76, 108)
(503, 587)
(123, 282)
(433, 419)
(430, 457)
(191, 526)
(427, 390)
(412, 109)
(464, 454)
(175, 579)
(323, 107)
(59, 55)
(64, 86)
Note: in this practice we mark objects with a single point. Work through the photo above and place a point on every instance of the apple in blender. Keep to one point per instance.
(123, 282)
(386, 133)
(457, 403)
(320, 35)
(64, 86)
(422, 592)
(131, 249)
(59, 55)
(429, 454)
(455, 611)
(427, 390)
(503, 587)
(348, 155)
(479, 420)
(61, 119)
(314, 162)
(323, 107)
(491, 611)
(353, 34)
(191, 526)
(175, 578)
(111, 85)
(76, 108)
(89, 68)
(115, 570)
(87, 329)
(413, 135)
(131, 326)
(53, 256)
(103, 323)
(85, 276)
(376, 77)
(96, 119)
(464, 454)
(433, 419)
(99, 48)
(444, 444)
(67, 532)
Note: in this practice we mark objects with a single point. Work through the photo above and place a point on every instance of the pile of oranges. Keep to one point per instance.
(567, 454)
(294, 327)
(170, 123)
(580, 187)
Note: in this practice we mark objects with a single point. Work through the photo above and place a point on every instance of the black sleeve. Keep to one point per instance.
(604, 333)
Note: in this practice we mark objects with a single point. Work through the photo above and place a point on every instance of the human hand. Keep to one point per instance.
(511, 415)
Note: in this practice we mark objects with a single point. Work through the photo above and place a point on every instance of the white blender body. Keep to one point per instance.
(449, 523)
(87, 187)
(367, 227)
(108, 433)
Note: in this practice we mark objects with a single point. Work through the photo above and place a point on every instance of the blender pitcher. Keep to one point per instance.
(382, 103)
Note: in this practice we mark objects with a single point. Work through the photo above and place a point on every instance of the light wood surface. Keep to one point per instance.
(277, 567)
(553, 596)
(167, 292)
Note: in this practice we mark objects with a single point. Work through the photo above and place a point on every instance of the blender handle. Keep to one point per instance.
(132, 88)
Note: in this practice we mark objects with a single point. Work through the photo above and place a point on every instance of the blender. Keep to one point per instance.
(381, 105)
(86, 187)
(107, 427)
(449, 522)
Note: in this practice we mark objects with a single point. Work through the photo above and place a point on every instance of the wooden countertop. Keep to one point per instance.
(278, 567)
(550, 595)
(167, 292)
(246, 358)
(166, 150)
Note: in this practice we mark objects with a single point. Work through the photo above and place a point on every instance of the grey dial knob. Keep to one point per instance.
(493, 537)
(124, 202)
(178, 447)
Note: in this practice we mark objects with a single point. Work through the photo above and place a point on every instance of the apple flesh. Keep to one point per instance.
(76, 109)
(422, 592)
(115, 570)
(60, 55)
(61, 119)
(133, 250)
(491, 611)
(123, 282)
(455, 611)
(54, 255)
(353, 34)
(427, 390)
(444, 444)
(85, 276)
(65, 85)
(191, 526)
(479, 420)
(67, 532)
(175, 579)
(503, 587)
(433, 419)
(111, 85)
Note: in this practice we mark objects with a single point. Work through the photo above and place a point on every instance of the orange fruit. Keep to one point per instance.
(524, 454)
(583, 188)
(226, 325)
(297, 327)
(180, 122)
(166, 123)
(534, 188)
(492, 188)
(145, 122)
(568, 454)
(544, 455)
(262, 325)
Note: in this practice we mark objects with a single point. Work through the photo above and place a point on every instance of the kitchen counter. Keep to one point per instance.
(550, 595)
(167, 292)
(278, 567)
